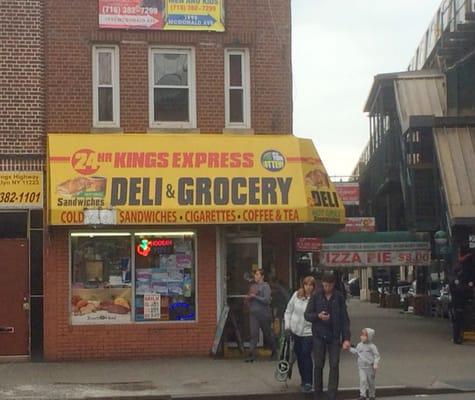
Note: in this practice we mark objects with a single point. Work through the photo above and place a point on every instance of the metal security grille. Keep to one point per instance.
(32, 162)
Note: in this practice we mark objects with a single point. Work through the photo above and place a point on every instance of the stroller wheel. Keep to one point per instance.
(283, 367)
(279, 376)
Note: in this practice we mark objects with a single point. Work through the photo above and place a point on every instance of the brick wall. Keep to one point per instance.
(21, 77)
(66, 342)
(260, 25)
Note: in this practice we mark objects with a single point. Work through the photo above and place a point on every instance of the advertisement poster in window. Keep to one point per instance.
(101, 279)
(152, 305)
(150, 180)
(183, 15)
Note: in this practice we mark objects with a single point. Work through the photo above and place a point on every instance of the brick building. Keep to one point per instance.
(172, 172)
(22, 150)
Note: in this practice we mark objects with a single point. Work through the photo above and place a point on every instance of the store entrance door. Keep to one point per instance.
(244, 256)
(14, 295)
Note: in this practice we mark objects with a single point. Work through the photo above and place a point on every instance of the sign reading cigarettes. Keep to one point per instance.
(148, 179)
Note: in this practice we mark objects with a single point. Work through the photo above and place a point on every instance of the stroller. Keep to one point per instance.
(283, 370)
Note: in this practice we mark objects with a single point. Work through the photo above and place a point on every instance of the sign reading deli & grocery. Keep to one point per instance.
(190, 179)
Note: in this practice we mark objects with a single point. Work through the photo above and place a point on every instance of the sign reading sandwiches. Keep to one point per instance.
(199, 179)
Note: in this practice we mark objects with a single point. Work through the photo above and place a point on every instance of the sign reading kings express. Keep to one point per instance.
(147, 180)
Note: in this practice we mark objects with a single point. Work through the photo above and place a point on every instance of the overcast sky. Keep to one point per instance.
(338, 47)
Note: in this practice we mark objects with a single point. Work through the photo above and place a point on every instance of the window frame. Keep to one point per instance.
(190, 52)
(115, 79)
(246, 88)
(133, 233)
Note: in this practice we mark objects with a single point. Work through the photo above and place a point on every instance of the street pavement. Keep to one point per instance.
(461, 396)
(416, 353)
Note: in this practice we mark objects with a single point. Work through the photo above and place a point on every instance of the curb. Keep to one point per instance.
(344, 394)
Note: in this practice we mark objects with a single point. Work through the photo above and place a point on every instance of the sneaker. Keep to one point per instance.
(250, 359)
(307, 388)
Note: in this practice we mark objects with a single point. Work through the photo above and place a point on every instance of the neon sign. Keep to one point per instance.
(144, 248)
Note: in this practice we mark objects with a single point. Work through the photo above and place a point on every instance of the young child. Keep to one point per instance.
(368, 362)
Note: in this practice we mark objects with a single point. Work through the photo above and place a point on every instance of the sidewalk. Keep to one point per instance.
(417, 353)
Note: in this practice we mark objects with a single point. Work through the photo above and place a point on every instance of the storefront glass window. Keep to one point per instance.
(124, 277)
(165, 277)
(101, 278)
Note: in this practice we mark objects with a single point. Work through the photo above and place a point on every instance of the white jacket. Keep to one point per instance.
(368, 354)
(294, 317)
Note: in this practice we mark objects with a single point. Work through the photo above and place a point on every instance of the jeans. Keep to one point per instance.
(264, 323)
(303, 350)
(320, 348)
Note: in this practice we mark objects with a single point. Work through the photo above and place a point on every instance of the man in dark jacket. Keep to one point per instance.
(327, 312)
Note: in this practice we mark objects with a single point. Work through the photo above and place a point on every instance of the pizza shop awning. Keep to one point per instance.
(143, 179)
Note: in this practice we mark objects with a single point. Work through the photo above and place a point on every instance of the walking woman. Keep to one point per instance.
(296, 325)
(260, 315)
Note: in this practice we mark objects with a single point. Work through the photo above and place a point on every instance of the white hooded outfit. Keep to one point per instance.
(368, 360)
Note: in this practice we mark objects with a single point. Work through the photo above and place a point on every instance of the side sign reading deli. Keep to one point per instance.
(21, 190)
(186, 15)
(375, 254)
(149, 179)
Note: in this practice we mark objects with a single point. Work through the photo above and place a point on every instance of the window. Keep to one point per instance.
(237, 89)
(172, 88)
(105, 77)
(164, 274)
(101, 278)
(121, 278)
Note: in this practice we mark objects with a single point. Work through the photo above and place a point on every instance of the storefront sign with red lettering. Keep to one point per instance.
(308, 244)
(375, 254)
(349, 192)
(361, 224)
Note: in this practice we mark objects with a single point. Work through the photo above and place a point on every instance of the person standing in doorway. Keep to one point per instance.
(328, 314)
(260, 316)
(301, 330)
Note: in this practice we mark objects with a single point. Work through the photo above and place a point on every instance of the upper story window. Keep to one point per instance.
(237, 89)
(105, 78)
(172, 88)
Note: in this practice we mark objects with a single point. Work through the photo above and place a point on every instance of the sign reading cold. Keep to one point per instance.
(205, 179)
(189, 15)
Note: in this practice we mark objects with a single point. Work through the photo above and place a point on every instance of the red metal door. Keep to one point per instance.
(14, 293)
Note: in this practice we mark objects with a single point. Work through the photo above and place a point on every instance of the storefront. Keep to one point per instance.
(21, 241)
(378, 259)
(150, 235)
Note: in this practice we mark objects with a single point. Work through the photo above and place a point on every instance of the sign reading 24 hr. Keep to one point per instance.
(205, 179)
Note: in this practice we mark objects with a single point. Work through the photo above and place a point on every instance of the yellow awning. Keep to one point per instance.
(172, 179)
